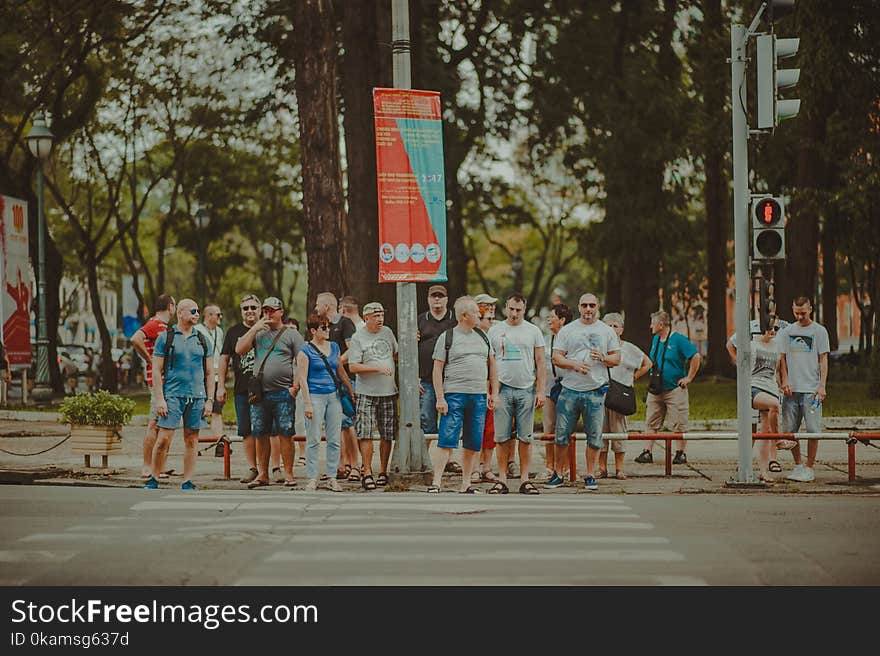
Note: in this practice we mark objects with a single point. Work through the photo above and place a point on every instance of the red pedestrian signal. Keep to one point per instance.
(768, 211)
(768, 228)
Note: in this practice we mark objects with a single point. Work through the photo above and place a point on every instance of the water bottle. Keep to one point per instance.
(814, 404)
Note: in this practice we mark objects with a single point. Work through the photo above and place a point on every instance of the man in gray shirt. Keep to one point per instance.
(460, 375)
(275, 350)
(371, 356)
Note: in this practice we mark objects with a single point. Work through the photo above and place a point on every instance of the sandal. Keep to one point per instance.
(620, 476)
(603, 473)
(785, 445)
(257, 483)
(368, 483)
(433, 489)
(290, 483)
(382, 479)
(476, 477)
(528, 488)
(498, 488)
(343, 474)
(355, 474)
(452, 468)
(774, 466)
(471, 490)
(488, 477)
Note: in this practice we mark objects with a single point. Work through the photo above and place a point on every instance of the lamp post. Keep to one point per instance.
(39, 141)
(202, 220)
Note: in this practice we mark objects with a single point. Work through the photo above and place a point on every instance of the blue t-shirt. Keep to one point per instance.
(320, 381)
(186, 371)
(678, 351)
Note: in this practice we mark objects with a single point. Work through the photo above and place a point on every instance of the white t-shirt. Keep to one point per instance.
(764, 358)
(214, 338)
(631, 357)
(574, 341)
(514, 347)
(374, 349)
(802, 347)
(467, 371)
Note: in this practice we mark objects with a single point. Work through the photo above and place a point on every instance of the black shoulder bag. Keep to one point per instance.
(255, 382)
(655, 376)
(619, 397)
(556, 389)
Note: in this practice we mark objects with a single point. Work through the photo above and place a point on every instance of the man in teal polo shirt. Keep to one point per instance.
(677, 361)
(181, 394)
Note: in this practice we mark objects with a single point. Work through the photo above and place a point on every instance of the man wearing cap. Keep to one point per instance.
(275, 350)
(371, 357)
(431, 325)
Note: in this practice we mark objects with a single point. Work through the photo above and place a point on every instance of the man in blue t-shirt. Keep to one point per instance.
(181, 394)
(676, 361)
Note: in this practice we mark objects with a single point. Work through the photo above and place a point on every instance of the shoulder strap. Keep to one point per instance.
(327, 364)
(269, 352)
(552, 366)
(665, 348)
(169, 351)
(480, 332)
(447, 344)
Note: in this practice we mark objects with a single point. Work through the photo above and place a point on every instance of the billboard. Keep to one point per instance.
(15, 298)
(411, 185)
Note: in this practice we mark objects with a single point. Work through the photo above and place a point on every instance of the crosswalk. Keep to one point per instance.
(321, 539)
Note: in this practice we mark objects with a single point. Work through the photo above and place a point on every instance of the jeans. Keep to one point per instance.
(327, 411)
(519, 403)
(273, 415)
(590, 405)
(797, 407)
(428, 408)
(242, 414)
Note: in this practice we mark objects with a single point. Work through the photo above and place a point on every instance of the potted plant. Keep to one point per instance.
(96, 419)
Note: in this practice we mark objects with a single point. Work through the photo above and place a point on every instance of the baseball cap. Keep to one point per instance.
(437, 289)
(372, 308)
(273, 303)
(485, 298)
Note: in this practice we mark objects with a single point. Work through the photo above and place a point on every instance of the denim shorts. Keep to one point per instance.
(798, 407)
(180, 407)
(466, 418)
(590, 405)
(515, 403)
(428, 408)
(273, 415)
(242, 414)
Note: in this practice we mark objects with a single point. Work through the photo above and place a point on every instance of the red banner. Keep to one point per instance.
(15, 298)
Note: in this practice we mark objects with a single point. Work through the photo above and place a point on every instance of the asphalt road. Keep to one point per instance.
(99, 536)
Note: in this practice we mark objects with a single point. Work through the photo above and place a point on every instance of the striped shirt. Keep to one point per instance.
(151, 330)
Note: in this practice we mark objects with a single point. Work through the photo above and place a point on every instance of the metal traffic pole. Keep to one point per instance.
(410, 453)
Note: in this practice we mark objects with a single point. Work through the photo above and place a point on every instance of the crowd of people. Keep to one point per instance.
(481, 382)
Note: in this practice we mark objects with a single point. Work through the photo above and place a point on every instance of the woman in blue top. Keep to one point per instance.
(321, 401)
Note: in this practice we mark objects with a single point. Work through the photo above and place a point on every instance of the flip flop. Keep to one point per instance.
(289, 483)
(471, 490)
(499, 488)
(257, 483)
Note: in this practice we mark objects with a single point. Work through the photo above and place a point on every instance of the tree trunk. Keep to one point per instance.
(108, 366)
(323, 201)
(829, 286)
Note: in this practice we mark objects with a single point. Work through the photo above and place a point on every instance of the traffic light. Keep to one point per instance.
(768, 228)
(771, 108)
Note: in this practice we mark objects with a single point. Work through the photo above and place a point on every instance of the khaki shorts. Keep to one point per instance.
(614, 423)
(672, 405)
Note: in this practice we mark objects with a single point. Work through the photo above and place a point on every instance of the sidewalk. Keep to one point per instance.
(710, 464)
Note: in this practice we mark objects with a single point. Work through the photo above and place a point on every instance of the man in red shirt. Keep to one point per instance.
(143, 341)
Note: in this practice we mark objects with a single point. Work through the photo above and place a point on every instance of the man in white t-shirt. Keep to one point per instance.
(583, 350)
(803, 368)
(213, 334)
(519, 352)
(371, 356)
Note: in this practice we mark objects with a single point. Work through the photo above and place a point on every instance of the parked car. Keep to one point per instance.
(83, 356)
(66, 364)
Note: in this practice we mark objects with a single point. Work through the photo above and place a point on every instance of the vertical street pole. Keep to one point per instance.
(42, 389)
(738, 41)
(411, 454)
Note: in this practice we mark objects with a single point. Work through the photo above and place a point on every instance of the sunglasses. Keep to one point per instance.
(323, 326)
(774, 329)
(435, 295)
(194, 311)
(249, 308)
(588, 304)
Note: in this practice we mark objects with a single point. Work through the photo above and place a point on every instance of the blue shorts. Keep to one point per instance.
(428, 408)
(273, 415)
(180, 407)
(519, 404)
(466, 418)
(590, 405)
(242, 414)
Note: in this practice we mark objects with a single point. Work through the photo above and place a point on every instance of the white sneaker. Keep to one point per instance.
(802, 474)
(312, 485)
(333, 485)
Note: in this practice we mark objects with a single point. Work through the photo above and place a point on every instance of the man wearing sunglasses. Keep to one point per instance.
(275, 349)
(242, 367)
(182, 393)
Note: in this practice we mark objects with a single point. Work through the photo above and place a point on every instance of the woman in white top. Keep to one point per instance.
(765, 391)
(633, 365)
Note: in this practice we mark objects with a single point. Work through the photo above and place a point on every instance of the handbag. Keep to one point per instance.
(556, 388)
(619, 397)
(348, 407)
(655, 376)
(255, 383)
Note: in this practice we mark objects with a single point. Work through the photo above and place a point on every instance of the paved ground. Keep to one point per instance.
(711, 464)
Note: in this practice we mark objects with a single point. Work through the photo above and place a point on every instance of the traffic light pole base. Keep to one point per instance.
(736, 485)
(42, 394)
(404, 481)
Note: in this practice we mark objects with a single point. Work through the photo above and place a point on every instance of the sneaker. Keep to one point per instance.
(513, 470)
(802, 474)
(251, 475)
(645, 457)
(312, 485)
(590, 483)
(277, 475)
(151, 484)
(555, 481)
(546, 475)
(333, 485)
(188, 485)
(680, 458)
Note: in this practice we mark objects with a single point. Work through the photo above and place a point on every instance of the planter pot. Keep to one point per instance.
(95, 440)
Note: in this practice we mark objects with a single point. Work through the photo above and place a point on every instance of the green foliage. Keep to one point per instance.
(97, 409)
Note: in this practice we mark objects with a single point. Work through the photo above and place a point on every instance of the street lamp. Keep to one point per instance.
(202, 219)
(39, 140)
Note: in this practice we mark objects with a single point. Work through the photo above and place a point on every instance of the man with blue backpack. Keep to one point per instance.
(182, 355)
